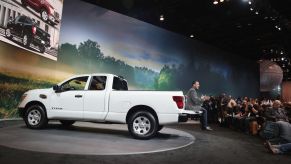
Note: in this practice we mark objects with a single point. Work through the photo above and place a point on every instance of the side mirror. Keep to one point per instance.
(56, 88)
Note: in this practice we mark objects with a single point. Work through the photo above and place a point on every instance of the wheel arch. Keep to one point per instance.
(141, 108)
(34, 103)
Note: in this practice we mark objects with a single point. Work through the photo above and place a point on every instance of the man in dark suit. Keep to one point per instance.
(194, 102)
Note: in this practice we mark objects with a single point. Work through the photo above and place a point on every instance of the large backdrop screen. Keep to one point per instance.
(93, 39)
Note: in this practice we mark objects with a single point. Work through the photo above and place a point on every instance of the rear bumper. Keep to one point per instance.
(186, 114)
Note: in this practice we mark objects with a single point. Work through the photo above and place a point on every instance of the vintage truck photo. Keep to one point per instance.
(103, 98)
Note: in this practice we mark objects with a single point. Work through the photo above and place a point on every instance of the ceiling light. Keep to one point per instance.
(251, 9)
(250, 2)
(191, 36)
(215, 2)
(279, 28)
(162, 18)
(282, 59)
(257, 12)
(221, 1)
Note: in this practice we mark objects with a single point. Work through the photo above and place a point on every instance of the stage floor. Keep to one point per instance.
(90, 139)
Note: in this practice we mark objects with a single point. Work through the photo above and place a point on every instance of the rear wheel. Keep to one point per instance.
(35, 117)
(142, 125)
(67, 123)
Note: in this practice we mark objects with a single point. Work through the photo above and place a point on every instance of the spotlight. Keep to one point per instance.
(162, 18)
(250, 2)
(251, 9)
(191, 36)
(257, 13)
(215, 2)
(221, 1)
(279, 28)
(282, 59)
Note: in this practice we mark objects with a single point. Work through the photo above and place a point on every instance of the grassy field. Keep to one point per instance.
(11, 89)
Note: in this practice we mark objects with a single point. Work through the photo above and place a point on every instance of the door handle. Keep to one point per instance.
(78, 96)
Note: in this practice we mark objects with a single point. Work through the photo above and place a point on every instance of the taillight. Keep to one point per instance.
(179, 101)
(33, 30)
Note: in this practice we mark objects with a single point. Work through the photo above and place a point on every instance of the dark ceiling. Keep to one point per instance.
(255, 29)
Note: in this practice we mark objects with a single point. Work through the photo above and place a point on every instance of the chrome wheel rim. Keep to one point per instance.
(44, 15)
(8, 33)
(25, 40)
(141, 125)
(34, 117)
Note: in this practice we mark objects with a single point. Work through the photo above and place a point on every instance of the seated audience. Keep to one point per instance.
(276, 113)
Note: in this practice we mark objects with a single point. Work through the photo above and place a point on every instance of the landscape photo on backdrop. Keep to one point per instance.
(97, 40)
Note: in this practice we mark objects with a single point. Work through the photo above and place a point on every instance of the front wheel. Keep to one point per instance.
(26, 41)
(8, 33)
(35, 117)
(44, 15)
(142, 125)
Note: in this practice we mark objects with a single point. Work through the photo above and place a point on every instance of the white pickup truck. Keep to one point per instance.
(103, 98)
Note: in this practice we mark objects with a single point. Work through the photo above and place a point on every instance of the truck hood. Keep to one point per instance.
(39, 91)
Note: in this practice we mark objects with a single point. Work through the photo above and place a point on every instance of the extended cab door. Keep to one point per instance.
(95, 99)
(68, 102)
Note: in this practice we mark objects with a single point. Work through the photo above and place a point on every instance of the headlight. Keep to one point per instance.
(23, 97)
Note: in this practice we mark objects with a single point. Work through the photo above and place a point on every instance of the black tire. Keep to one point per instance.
(44, 15)
(67, 123)
(35, 117)
(8, 33)
(26, 40)
(142, 125)
(160, 127)
(42, 49)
